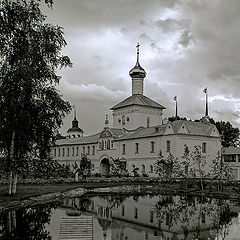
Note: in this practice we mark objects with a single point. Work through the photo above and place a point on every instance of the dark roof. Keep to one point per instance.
(75, 129)
(193, 128)
(140, 100)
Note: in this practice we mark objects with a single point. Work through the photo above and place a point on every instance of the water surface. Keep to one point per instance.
(125, 218)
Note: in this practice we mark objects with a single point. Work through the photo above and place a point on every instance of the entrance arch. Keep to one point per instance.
(104, 167)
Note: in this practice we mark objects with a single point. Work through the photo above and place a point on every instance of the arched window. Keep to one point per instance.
(108, 144)
(123, 119)
(99, 145)
(102, 144)
(148, 122)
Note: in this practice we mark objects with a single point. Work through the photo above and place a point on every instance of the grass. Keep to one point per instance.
(24, 191)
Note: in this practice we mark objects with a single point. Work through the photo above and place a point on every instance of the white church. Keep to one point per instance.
(137, 135)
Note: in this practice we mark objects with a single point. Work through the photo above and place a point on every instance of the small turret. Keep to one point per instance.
(75, 131)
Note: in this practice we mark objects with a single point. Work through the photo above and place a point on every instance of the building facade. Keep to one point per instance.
(137, 135)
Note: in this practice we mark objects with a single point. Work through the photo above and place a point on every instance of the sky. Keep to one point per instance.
(186, 45)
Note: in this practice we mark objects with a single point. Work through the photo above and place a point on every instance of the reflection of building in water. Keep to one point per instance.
(76, 227)
(158, 217)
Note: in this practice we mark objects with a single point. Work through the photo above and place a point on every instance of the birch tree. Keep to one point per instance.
(32, 109)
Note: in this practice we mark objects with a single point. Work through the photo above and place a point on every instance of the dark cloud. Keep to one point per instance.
(185, 46)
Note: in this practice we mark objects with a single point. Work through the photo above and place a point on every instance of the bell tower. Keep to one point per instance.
(137, 73)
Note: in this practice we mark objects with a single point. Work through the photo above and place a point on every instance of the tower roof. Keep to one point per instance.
(75, 127)
(138, 99)
(137, 70)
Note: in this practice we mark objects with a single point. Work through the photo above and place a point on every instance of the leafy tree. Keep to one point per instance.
(220, 171)
(229, 134)
(85, 166)
(172, 119)
(117, 167)
(199, 163)
(185, 165)
(31, 108)
(167, 168)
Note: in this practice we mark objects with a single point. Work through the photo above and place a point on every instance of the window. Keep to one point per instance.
(83, 150)
(128, 119)
(168, 146)
(105, 144)
(152, 146)
(204, 147)
(73, 135)
(123, 119)
(151, 168)
(111, 143)
(148, 122)
(88, 150)
(123, 149)
(93, 150)
(135, 213)
(119, 120)
(123, 210)
(143, 168)
(76, 151)
(59, 152)
(67, 151)
(102, 144)
(151, 217)
(108, 144)
(136, 148)
(55, 152)
(99, 146)
(63, 152)
(72, 151)
(92, 167)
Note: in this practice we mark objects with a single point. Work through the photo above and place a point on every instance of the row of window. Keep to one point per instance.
(107, 144)
(152, 147)
(124, 119)
(74, 151)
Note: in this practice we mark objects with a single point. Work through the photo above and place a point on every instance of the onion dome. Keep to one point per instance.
(137, 71)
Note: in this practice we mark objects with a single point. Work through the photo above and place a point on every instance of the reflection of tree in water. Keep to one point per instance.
(26, 223)
(195, 214)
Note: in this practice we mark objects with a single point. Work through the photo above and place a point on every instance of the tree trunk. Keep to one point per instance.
(14, 186)
(11, 157)
(10, 183)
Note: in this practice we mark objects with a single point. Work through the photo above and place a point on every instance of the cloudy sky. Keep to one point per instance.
(185, 46)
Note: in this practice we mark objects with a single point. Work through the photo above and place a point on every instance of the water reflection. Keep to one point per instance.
(125, 218)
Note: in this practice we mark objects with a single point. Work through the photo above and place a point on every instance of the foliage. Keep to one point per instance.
(27, 223)
(172, 119)
(220, 171)
(229, 134)
(199, 163)
(31, 108)
(117, 167)
(86, 166)
(167, 168)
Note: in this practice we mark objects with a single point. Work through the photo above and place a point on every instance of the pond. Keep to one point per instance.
(124, 218)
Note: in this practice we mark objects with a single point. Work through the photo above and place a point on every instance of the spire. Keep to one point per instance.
(137, 74)
(137, 63)
(75, 114)
(206, 110)
(176, 112)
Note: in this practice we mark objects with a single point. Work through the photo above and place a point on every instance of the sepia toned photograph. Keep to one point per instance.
(119, 120)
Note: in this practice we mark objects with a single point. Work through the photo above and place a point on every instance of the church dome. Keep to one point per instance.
(137, 71)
